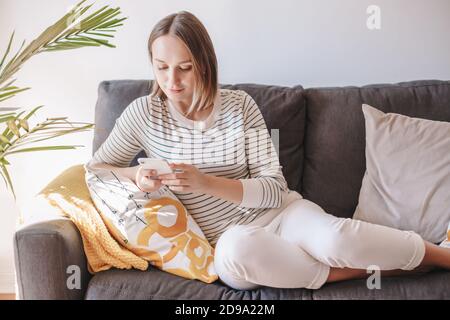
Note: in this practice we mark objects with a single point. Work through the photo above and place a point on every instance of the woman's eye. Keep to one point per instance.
(182, 69)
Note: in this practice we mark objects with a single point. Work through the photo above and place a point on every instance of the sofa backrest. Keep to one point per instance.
(321, 130)
(282, 108)
(335, 134)
(284, 112)
(113, 97)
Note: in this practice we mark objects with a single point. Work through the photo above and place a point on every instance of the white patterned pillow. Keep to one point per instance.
(156, 226)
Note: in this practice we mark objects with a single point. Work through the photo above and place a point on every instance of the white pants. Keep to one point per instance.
(298, 247)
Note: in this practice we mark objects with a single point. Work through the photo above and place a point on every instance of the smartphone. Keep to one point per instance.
(160, 165)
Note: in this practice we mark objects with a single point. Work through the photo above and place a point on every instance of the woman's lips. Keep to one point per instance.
(175, 91)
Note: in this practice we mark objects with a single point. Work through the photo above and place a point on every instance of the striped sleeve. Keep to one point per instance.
(266, 184)
(123, 143)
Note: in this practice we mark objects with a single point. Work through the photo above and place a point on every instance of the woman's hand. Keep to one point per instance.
(190, 180)
(142, 178)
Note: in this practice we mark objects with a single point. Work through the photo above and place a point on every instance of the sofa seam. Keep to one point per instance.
(391, 86)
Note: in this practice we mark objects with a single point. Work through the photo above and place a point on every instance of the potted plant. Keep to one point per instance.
(76, 29)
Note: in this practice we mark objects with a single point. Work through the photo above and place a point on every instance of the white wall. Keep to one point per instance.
(284, 42)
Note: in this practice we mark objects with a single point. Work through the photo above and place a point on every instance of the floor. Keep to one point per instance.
(7, 296)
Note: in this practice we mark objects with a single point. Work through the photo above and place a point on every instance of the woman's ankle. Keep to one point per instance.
(435, 257)
(340, 274)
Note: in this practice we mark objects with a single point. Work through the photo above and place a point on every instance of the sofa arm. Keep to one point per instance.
(50, 261)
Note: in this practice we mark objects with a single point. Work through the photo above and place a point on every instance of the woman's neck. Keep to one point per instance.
(183, 107)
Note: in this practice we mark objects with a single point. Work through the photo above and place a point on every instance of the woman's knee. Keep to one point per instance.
(236, 243)
(232, 254)
(336, 243)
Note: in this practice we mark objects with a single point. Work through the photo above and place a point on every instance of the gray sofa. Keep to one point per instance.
(322, 141)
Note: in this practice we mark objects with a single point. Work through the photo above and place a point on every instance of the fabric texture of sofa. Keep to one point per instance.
(322, 151)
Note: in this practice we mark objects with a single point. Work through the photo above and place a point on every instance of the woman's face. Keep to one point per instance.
(173, 69)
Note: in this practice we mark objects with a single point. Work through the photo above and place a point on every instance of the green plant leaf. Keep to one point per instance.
(11, 62)
(13, 127)
(38, 137)
(5, 119)
(32, 112)
(24, 124)
(93, 15)
(60, 118)
(8, 49)
(10, 93)
(54, 37)
(5, 140)
(46, 148)
(7, 178)
(7, 116)
(100, 34)
(71, 31)
(111, 24)
(77, 37)
(7, 132)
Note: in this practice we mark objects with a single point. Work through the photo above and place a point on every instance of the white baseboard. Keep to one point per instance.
(7, 282)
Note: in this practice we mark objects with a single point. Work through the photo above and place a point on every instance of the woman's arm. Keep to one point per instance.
(129, 172)
(191, 179)
(266, 184)
(224, 188)
(139, 175)
(124, 141)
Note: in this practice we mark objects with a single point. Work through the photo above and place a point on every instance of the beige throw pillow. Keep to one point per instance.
(407, 180)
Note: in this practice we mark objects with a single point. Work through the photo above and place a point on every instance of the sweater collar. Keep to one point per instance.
(199, 125)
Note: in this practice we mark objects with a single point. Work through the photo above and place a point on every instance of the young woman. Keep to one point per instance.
(231, 180)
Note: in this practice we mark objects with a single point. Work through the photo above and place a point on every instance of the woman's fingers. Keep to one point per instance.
(151, 182)
(148, 184)
(180, 175)
(148, 173)
(179, 188)
(175, 182)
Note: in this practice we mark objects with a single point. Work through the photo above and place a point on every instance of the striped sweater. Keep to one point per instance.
(233, 142)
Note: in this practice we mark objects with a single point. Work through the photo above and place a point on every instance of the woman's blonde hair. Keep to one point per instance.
(192, 32)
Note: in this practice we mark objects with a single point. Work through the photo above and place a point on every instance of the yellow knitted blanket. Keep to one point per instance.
(68, 193)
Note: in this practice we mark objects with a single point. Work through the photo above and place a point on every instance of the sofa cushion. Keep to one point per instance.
(407, 182)
(282, 108)
(335, 134)
(113, 98)
(154, 284)
(434, 285)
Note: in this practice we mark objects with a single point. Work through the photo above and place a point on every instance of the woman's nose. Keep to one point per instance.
(174, 78)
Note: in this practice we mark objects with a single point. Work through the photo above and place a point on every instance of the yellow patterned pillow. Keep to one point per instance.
(446, 242)
(155, 226)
